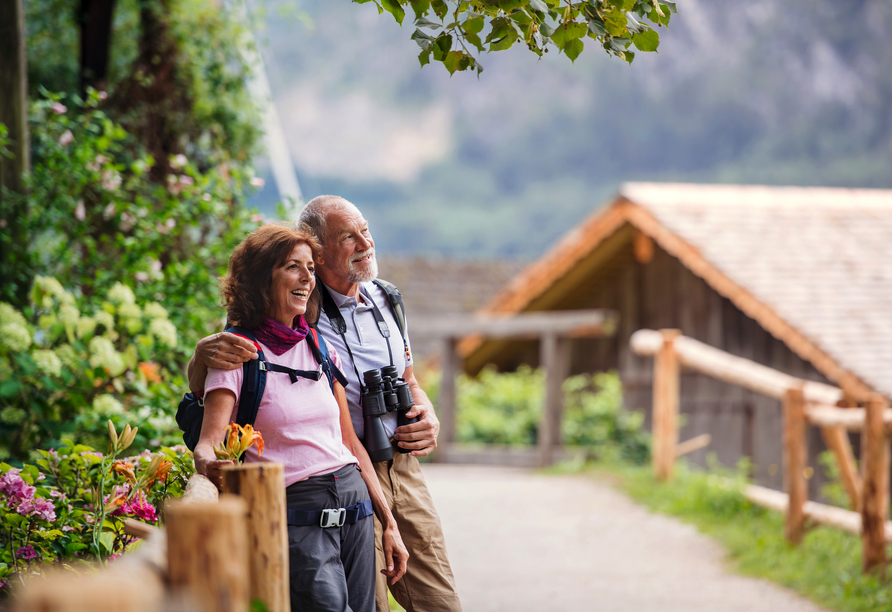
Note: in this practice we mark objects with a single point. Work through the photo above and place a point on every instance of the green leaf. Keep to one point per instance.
(452, 61)
(393, 7)
(623, 5)
(510, 5)
(474, 40)
(648, 40)
(596, 28)
(474, 25)
(424, 57)
(423, 22)
(440, 8)
(424, 40)
(573, 48)
(8, 388)
(442, 46)
(500, 29)
(420, 7)
(538, 6)
(567, 32)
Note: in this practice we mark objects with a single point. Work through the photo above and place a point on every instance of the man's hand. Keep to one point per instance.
(420, 437)
(225, 351)
(395, 555)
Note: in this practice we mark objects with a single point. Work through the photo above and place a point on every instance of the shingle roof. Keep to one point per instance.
(812, 265)
(820, 258)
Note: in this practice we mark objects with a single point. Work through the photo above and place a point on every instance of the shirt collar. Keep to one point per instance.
(342, 300)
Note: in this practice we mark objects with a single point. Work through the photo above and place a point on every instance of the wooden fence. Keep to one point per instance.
(805, 403)
(216, 553)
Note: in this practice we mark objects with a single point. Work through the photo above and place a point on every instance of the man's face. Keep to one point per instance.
(349, 251)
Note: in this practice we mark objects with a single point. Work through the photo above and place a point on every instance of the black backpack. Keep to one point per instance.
(190, 412)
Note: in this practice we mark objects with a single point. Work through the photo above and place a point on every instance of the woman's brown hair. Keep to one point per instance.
(246, 286)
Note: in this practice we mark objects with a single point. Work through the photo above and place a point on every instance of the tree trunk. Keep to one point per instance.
(96, 17)
(14, 115)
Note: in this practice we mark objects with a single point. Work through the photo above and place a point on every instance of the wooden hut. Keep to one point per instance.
(798, 279)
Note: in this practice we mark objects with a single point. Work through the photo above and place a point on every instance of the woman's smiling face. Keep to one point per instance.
(292, 284)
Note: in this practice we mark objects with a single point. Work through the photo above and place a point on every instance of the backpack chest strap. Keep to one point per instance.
(292, 373)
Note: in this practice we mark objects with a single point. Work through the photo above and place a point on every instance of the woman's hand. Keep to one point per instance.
(395, 554)
(212, 468)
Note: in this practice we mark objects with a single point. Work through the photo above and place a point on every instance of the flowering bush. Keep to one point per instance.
(71, 505)
(65, 370)
(96, 217)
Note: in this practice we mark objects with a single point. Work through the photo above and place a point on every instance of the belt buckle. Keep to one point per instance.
(332, 517)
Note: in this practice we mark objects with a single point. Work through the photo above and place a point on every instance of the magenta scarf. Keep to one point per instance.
(279, 337)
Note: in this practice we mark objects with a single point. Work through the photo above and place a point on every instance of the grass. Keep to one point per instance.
(826, 568)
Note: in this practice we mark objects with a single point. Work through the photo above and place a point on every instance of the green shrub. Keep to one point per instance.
(505, 408)
(66, 368)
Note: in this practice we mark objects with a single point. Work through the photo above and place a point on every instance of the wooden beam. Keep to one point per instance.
(794, 460)
(850, 419)
(448, 401)
(837, 440)
(694, 444)
(703, 358)
(573, 323)
(822, 514)
(875, 504)
(665, 406)
(207, 551)
(554, 358)
(262, 486)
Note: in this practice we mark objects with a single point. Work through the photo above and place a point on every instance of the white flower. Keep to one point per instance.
(104, 319)
(107, 405)
(50, 286)
(85, 326)
(171, 223)
(179, 161)
(47, 362)
(9, 315)
(69, 315)
(185, 179)
(121, 294)
(257, 182)
(111, 179)
(15, 337)
(80, 213)
(154, 310)
(164, 331)
(141, 276)
(206, 197)
(104, 355)
(109, 211)
(66, 138)
(102, 95)
(129, 311)
(58, 108)
(68, 356)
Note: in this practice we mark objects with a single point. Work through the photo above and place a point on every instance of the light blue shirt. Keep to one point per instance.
(368, 346)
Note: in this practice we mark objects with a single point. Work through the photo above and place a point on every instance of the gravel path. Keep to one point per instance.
(520, 541)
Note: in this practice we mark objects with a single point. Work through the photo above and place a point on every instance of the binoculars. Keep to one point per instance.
(384, 392)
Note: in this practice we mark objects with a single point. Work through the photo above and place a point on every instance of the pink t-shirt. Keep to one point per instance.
(299, 422)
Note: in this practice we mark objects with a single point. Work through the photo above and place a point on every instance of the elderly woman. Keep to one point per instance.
(306, 426)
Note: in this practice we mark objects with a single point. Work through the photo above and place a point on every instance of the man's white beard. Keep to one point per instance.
(355, 275)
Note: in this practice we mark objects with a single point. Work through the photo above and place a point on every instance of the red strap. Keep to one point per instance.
(259, 350)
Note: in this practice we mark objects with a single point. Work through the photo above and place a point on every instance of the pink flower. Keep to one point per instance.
(103, 95)
(3, 223)
(141, 277)
(66, 139)
(80, 213)
(257, 218)
(26, 552)
(39, 508)
(257, 182)
(94, 454)
(14, 488)
(185, 179)
(109, 211)
(58, 108)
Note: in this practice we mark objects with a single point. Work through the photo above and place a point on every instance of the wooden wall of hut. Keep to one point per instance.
(651, 289)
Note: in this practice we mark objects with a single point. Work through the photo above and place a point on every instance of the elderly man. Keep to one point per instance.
(346, 268)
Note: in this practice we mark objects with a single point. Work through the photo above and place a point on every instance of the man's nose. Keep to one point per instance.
(365, 242)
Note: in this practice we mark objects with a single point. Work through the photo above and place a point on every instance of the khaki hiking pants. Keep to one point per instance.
(428, 585)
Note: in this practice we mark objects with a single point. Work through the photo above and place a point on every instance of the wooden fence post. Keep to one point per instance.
(207, 551)
(665, 406)
(795, 459)
(262, 486)
(104, 591)
(875, 504)
(448, 401)
(554, 358)
(837, 440)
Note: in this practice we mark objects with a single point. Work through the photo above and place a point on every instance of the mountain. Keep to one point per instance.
(767, 91)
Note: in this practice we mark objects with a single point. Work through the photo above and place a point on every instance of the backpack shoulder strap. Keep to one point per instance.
(253, 381)
(320, 351)
(395, 299)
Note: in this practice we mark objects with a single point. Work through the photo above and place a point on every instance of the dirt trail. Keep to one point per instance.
(520, 541)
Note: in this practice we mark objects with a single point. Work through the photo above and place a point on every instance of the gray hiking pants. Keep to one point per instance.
(333, 569)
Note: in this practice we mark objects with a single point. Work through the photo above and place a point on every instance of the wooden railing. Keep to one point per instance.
(216, 553)
(804, 403)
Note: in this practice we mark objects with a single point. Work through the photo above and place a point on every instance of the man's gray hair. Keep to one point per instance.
(315, 214)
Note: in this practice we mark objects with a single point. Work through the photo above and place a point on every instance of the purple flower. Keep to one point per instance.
(14, 488)
(59, 108)
(26, 553)
(39, 508)
(66, 139)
